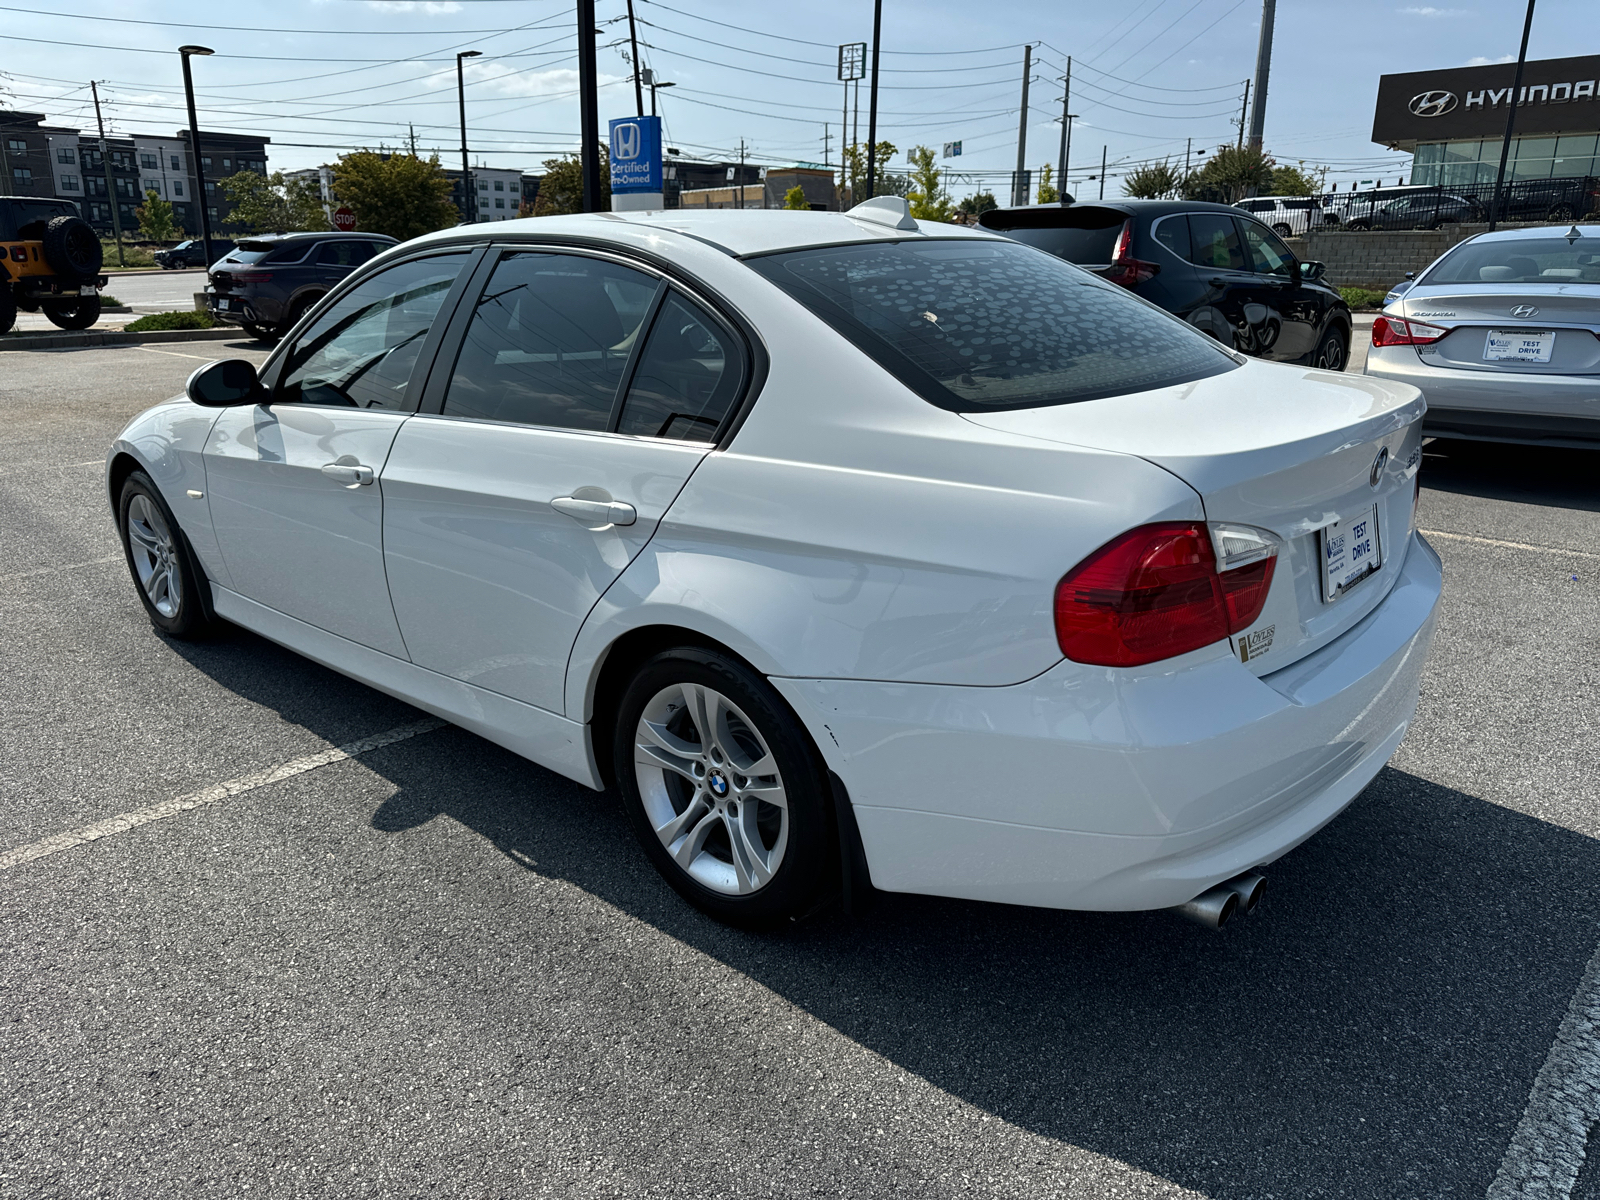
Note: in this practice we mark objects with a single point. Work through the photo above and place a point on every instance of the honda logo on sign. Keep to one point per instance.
(1432, 104)
(625, 141)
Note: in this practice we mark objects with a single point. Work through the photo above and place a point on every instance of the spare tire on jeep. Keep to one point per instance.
(72, 248)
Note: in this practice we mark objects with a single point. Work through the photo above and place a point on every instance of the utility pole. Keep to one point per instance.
(1243, 109)
(185, 53)
(1188, 145)
(638, 84)
(738, 196)
(411, 134)
(1066, 136)
(588, 107)
(824, 143)
(1511, 118)
(872, 102)
(1019, 190)
(105, 165)
(1258, 114)
(1102, 172)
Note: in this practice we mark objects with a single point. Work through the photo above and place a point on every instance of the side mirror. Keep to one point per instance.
(224, 384)
(1312, 271)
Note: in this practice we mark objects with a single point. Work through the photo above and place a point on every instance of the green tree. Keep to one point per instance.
(1231, 174)
(1297, 181)
(795, 198)
(1154, 181)
(926, 194)
(155, 218)
(561, 188)
(398, 194)
(1047, 189)
(853, 175)
(273, 204)
(977, 203)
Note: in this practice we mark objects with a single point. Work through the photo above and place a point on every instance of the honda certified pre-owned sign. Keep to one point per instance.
(635, 155)
(1558, 95)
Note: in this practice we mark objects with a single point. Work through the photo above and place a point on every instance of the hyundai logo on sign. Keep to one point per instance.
(1432, 104)
(635, 155)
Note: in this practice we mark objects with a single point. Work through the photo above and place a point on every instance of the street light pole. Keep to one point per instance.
(1066, 127)
(1511, 118)
(872, 102)
(638, 84)
(588, 107)
(185, 52)
(466, 166)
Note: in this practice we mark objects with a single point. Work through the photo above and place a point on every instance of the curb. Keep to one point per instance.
(116, 337)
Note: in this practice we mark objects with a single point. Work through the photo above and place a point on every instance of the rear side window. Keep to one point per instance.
(978, 325)
(1082, 234)
(686, 379)
(1216, 242)
(1173, 233)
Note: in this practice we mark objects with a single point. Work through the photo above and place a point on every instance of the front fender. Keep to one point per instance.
(168, 443)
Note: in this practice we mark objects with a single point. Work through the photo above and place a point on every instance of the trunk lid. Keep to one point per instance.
(1286, 449)
(1571, 313)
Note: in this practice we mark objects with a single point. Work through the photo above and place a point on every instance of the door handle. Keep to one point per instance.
(350, 473)
(595, 514)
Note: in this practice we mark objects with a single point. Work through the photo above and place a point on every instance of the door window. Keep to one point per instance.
(549, 340)
(1268, 256)
(342, 254)
(687, 376)
(361, 351)
(1216, 242)
(1173, 233)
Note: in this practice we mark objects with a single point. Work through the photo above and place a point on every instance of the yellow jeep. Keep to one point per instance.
(51, 261)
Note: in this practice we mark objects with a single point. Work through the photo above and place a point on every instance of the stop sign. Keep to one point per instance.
(344, 220)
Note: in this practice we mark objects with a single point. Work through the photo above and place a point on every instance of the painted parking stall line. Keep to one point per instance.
(1483, 541)
(1547, 1150)
(77, 566)
(123, 822)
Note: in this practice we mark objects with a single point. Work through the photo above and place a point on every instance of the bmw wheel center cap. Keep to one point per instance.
(718, 783)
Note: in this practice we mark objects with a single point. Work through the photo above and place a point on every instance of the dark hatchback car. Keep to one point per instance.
(267, 282)
(1210, 264)
(191, 253)
(1425, 210)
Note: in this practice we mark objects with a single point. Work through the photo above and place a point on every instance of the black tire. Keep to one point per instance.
(263, 333)
(8, 308)
(182, 610)
(1357, 226)
(1333, 351)
(1282, 230)
(27, 304)
(797, 841)
(1562, 212)
(78, 313)
(72, 248)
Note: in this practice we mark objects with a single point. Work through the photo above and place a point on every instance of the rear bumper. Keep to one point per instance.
(1551, 410)
(242, 310)
(1098, 789)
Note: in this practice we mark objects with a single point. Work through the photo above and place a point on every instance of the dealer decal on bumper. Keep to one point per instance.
(1256, 643)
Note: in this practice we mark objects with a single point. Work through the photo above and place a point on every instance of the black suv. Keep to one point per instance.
(1210, 264)
(191, 253)
(267, 282)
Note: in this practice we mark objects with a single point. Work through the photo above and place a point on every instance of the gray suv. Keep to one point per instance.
(266, 283)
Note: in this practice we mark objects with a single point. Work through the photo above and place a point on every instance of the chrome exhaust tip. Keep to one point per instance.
(1248, 887)
(1212, 908)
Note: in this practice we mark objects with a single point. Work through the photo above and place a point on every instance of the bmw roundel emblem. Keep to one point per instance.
(1375, 476)
(1432, 104)
(718, 783)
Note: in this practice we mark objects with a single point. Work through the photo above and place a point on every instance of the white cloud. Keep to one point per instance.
(431, 7)
(1428, 10)
(1480, 61)
(503, 79)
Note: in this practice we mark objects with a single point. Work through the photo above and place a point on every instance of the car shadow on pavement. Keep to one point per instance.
(1551, 476)
(1372, 1031)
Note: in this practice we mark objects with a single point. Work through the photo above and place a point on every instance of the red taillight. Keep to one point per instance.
(1125, 269)
(252, 277)
(1392, 331)
(1156, 592)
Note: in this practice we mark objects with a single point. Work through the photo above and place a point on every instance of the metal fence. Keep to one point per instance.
(1424, 207)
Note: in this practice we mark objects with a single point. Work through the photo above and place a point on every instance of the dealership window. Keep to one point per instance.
(69, 183)
(69, 157)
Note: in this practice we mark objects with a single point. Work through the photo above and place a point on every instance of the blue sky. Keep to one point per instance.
(320, 76)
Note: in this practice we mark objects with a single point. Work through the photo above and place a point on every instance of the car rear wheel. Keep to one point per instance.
(78, 313)
(163, 566)
(1333, 351)
(726, 793)
(1563, 212)
(262, 333)
(1282, 230)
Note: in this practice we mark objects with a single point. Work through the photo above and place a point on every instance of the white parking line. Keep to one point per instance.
(1547, 1150)
(1483, 541)
(123, 822)
(93, 562)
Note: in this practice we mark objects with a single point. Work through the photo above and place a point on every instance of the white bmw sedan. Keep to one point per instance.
(851, 550)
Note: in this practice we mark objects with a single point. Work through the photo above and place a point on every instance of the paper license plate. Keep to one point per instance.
(1519, 345)
(1350, 552)
(88, 291)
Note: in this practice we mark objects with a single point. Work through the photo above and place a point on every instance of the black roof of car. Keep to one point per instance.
(328, 233)
(1034, 214)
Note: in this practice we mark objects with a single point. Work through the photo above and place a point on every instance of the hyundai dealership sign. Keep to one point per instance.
(1559, 95)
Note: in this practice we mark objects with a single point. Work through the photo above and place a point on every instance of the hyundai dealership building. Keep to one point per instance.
(1453, 121)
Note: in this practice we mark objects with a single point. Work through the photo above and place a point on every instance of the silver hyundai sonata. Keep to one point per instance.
(1502, 334)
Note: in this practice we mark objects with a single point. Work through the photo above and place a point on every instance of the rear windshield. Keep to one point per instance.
(976, 326)
(1083, 234)
(1521, 260)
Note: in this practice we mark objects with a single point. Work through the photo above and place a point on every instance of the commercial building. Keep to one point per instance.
(1453, 121)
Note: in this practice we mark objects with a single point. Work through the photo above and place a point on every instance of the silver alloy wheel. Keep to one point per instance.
(711, 789)
(155, 556)
(1332, 356)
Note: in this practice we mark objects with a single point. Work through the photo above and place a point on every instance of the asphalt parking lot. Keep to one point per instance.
(433, 969)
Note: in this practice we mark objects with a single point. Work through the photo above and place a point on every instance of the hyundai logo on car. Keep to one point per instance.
(1525, 310)
(1432, 104)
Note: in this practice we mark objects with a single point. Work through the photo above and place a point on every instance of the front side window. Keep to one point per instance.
(1216, 242)
(978, 325)
(1268, 256)
(687, 378)
(549, 340)
(360, 352)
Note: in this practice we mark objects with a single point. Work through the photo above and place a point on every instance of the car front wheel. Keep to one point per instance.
(726, 793)
(1333, 351)
(163, 566)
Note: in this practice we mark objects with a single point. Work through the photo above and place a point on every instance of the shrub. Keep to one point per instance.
(170, 320)
(1358, 298)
